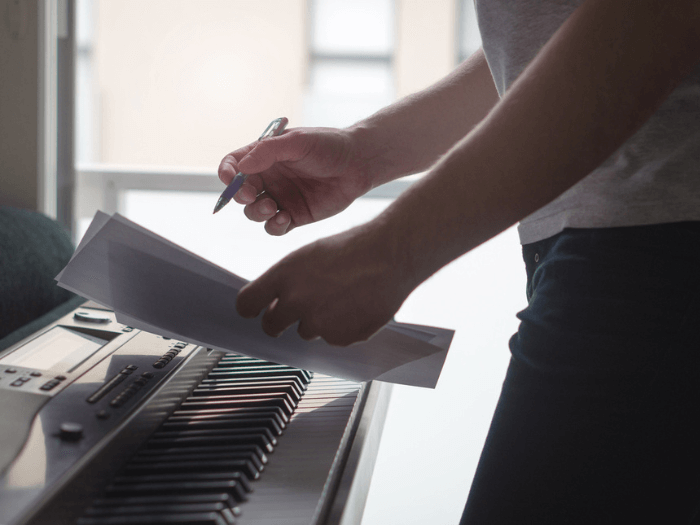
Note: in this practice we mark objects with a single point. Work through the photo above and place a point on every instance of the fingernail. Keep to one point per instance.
(267, 207)
(280, 219)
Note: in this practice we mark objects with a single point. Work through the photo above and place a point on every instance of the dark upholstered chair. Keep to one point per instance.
(33, 250)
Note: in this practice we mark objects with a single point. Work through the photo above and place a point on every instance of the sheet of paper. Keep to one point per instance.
(155, 285)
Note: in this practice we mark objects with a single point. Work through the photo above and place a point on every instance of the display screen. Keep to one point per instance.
(60, 349)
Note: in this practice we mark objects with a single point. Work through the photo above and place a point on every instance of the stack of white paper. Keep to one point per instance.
(157, 286)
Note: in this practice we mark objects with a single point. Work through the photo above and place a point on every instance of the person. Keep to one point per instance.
(579, 119)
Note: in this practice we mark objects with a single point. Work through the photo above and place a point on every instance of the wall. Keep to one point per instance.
(19, 51)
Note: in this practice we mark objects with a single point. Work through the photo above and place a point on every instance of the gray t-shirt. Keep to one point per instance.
(653, 178)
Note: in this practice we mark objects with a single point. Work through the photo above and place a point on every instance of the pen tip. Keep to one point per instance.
(220, 204)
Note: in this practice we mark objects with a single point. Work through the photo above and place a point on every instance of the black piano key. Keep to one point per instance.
(246, 411)
(253, 372)
(216, 432)
(209, 497)
(270, 388)
(288, 402)
(200, 518)
(238, 476)
(243, 360)
(238, 357)
(292, 381)
(176, 488)
(290, 398)
(254, 379)
(220, 465)
(233, 422)
(293, 387)
(272, 413)
(258, 365)
(201, 457)
(214, 404)
(260, 369)
(195, 441)
(174, 508)
(203, 403)
(253, 450)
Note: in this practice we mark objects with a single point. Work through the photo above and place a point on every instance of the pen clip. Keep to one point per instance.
(274, 128)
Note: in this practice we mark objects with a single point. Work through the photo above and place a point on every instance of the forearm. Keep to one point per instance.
(599, 78)
(410, 135)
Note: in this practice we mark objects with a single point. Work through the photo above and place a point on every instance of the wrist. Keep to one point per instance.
(391, 245)
(371, 153)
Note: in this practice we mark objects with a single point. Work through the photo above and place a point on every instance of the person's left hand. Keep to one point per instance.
(342, 288)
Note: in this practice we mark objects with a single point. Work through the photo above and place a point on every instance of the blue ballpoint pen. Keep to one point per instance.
(275, 128)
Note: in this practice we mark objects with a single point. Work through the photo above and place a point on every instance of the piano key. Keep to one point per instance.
(189, 476)
(253, 372)
(290, 400)
(201, 458)
(201, 518)
(243, 465)
(232, 422)
(210, 497)
(217, 432)
(254, 379)
(255, 411)
(250, 363)
(259, 365)
(206, 403)
(255, 439)
(294, 381)
(113, 510)
(176, 488)
(244, 359)
(253, 450)
(173, 508)
(265, 388)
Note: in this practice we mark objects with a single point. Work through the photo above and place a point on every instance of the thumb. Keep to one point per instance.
(287, 147)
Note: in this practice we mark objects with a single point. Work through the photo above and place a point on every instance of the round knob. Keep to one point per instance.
(71, 431)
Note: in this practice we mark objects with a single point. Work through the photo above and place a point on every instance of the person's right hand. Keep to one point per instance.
(299, 177)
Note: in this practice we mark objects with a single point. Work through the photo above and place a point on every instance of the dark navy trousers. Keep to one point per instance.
(599, 417)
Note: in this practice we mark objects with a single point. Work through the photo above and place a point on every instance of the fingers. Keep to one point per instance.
(306, 332)
(263, 209)
(254, 297)
(228, 169)
(229, 165)
(265, 153)
(254, 159)
(280, 224)
(249, 190)
(277, 319)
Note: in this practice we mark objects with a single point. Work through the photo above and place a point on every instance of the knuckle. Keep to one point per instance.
(248, 212)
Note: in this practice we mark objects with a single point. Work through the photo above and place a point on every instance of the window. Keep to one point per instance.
(351, 57)
(162, 93)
